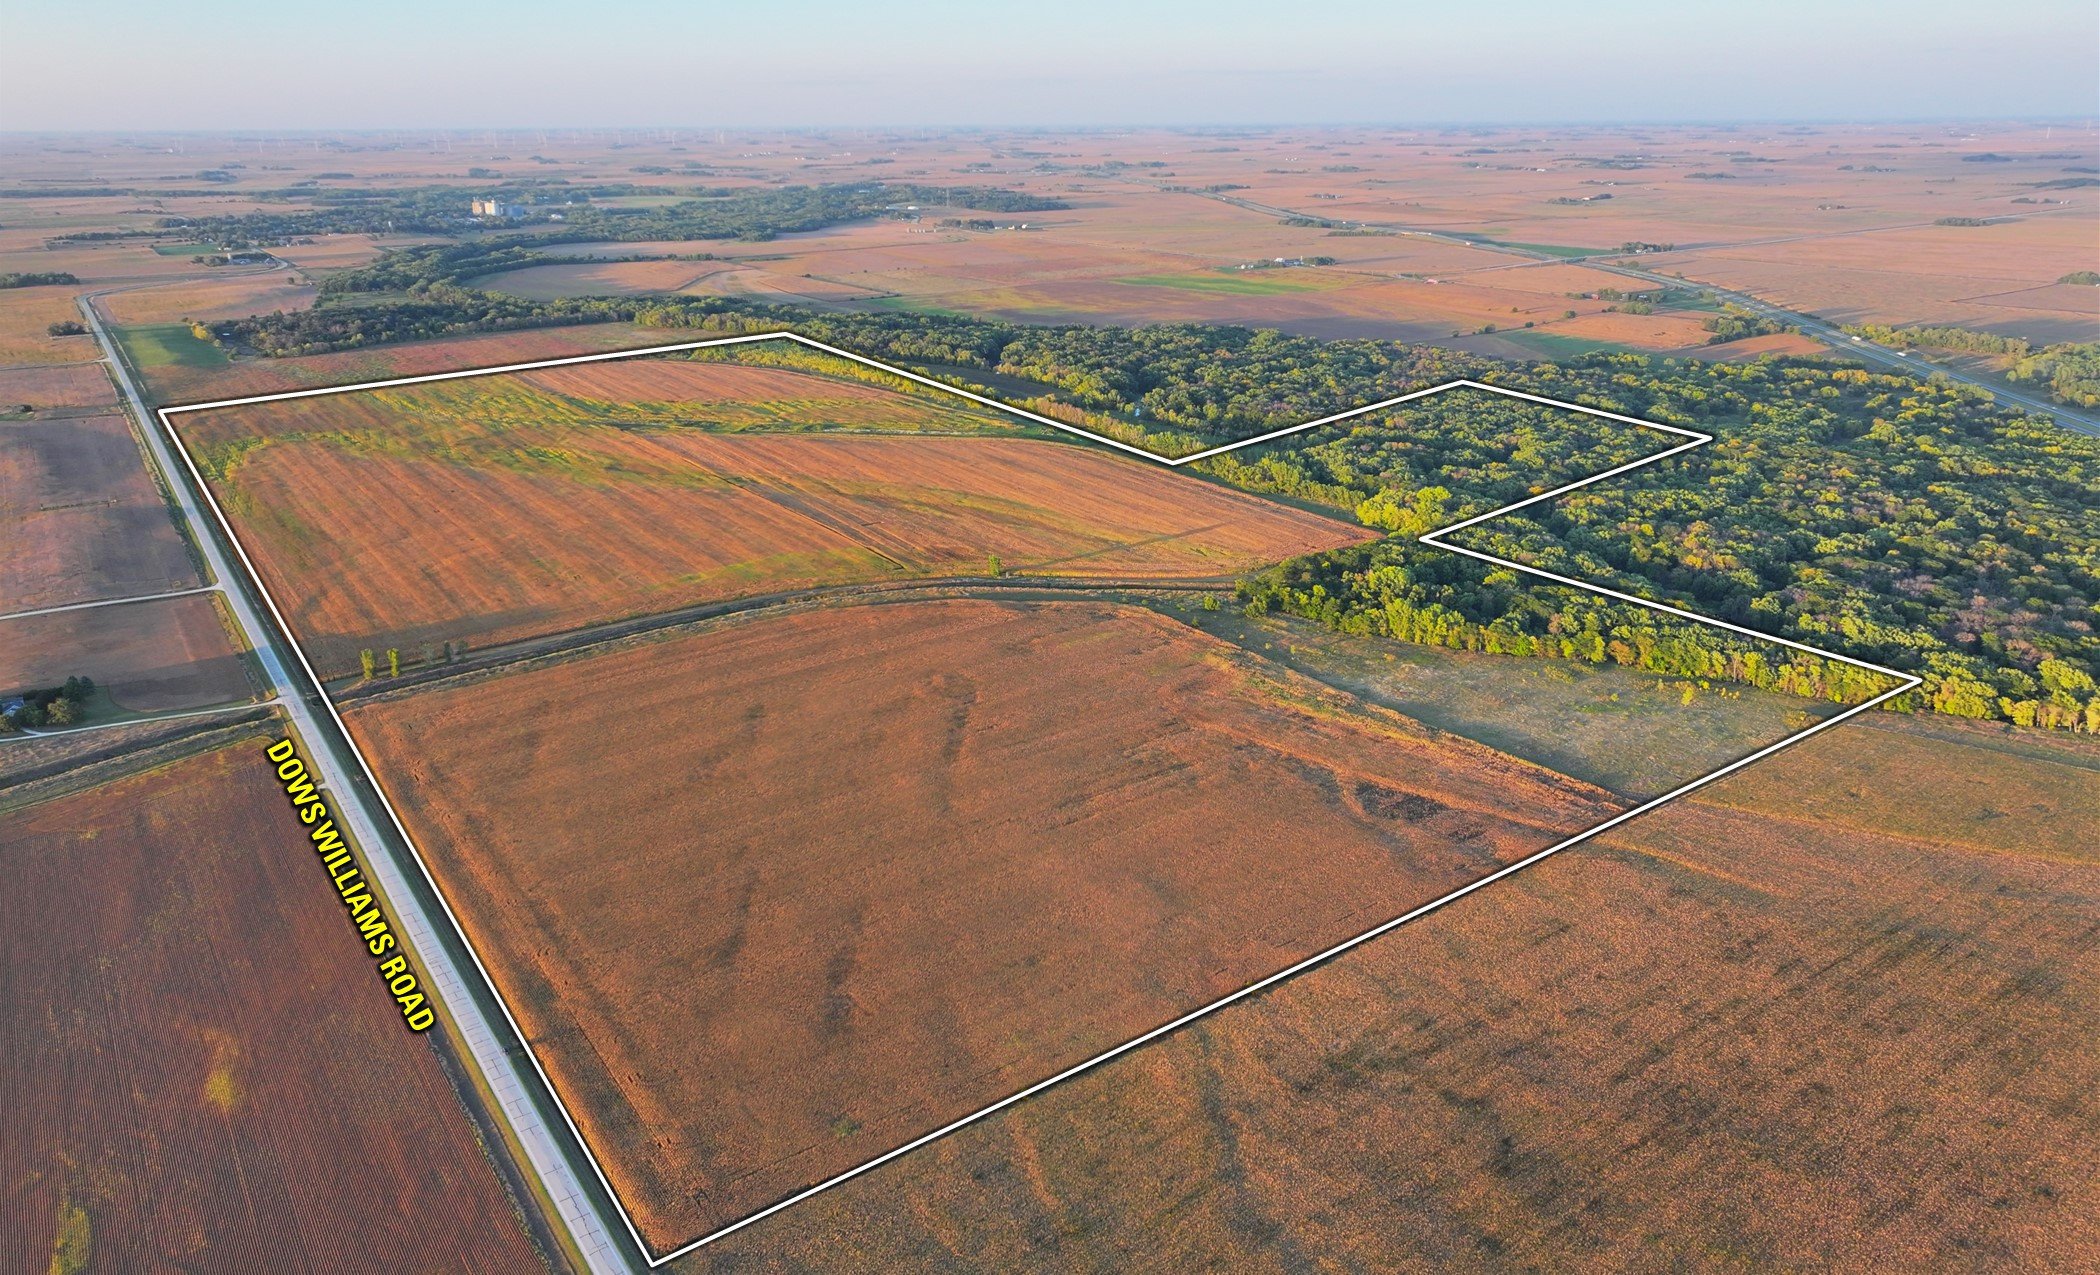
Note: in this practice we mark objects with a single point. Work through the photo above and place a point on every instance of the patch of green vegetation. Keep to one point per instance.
(154, 345)
(1633, 733)
(184, 249)
(641, 201)
(1687, 299)
(1734, 323)
(73, 1241)
(1550, 249)
(1232, 283)
(55, 708)
(1554, 345)
(2072, 372)
(910, 305)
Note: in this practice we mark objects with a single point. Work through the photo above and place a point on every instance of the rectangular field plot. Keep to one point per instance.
(161, 655)
(201, 1072)
(508, 507)
(81, 518)
(67, 385)
(1747, 996)
(773, 897)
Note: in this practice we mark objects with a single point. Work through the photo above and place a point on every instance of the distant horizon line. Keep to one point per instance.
(2088, 121)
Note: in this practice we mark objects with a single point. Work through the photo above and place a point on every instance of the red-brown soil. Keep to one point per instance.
(80, 516)
(178, 384)
(68, 385)
(157, 656)
(493, 536)
(25, 316)
(1834, 1013)
(773, 898)
(202, 1070)
(207, 300)
(673, 380)
(1834, 219)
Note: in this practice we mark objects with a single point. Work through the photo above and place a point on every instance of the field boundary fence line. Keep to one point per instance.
(1688, 440)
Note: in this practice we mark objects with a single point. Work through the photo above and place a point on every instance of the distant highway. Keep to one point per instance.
(486, 1046)
(1830, 334)
(1810, 325)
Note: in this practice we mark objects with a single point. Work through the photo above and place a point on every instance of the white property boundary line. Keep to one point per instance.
(1692, 439)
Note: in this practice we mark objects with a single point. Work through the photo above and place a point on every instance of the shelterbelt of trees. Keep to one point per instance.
(724, 212)
(2070, 372)
(1909, 522)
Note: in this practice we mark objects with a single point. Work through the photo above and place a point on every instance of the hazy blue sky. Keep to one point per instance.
(476, 63)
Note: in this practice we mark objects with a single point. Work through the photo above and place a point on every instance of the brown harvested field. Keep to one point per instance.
(495, 518)
(1823, 1016)
(624, 383)
(1838, 218)
(1999, 278)
(65, 385)
(612, 278)
(202, 1071)
(174, 383)
(1080, 265)
(852, 873)
(1664, 331)
(148, 657)
(25, 313)
(45, 761)
(82, 518)
(217, 296)
(1787, 344)
(608, 278)
(343, 252)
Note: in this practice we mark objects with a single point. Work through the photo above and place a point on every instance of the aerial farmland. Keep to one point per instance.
(1116, 638)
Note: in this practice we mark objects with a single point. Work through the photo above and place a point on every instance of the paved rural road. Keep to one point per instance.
(492, 1049)
(1810, 325)
(1830, 334)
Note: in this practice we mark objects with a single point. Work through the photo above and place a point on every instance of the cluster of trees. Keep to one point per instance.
(1962, 339)
(1734, 323)
(66, 327)
(2072, 372)
(433, 312)
(35, 279)
(1401, 590)
(56, 706)
(433, 654)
